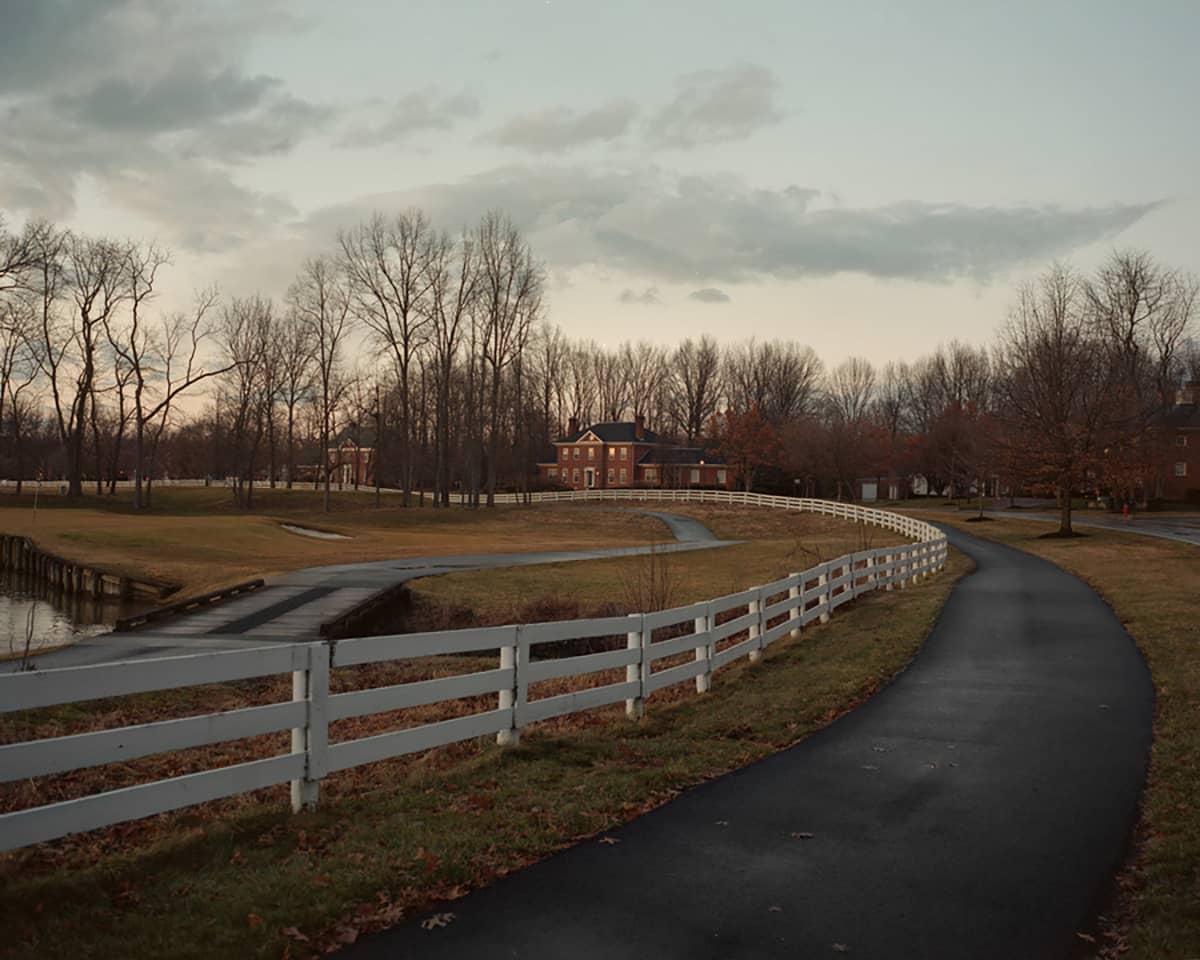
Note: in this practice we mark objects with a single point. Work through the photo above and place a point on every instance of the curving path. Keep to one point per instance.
(976, 807)
(293, 605)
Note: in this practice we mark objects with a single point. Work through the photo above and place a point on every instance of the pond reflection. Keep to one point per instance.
(33, 610)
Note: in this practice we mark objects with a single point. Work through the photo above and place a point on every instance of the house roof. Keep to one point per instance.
(625, 432)
(679, 455)
(1182, 416)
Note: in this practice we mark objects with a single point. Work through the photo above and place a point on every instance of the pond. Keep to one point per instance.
(51, 617)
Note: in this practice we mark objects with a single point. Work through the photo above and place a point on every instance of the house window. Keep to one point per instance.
(575, 478)
(695, 475)
(624, 476)
(610, 475)
(1181, 440)
(1181, 468)
(651, 473)
(721, 477)
(591, 453)
(552, 473)
(566, 453)
(576, 453)
(624, 453)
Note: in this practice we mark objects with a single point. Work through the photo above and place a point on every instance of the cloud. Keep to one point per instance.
(416, 112)
(716, 106)
(557, 129)
(648, 296)
(715, 230)
(152, 104)
(709, 295)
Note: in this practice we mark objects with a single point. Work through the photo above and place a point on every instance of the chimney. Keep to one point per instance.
(573, 427)
(639, 426)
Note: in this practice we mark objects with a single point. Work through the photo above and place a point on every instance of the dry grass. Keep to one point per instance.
(779, 543)
(1154, 587)
(195, 539)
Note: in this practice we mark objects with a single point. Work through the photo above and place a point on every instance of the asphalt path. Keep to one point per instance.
(976, 807)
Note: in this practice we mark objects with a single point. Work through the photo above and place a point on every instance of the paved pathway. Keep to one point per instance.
(293, 605)
(976, 807)
(1183, 529)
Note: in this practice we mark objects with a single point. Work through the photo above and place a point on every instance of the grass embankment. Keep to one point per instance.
(244, 878)
(776, 544)
(197, 538)
(1154, 587)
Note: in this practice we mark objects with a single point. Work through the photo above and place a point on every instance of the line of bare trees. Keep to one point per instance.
(432, 352)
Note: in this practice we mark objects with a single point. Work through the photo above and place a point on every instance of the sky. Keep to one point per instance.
(869, 178)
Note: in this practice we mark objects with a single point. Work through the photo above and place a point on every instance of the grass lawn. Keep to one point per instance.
(242, 877)
(778, 543)
(197, 539)
(1154, 587)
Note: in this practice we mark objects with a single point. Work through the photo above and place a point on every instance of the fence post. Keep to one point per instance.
(635, 672)
(827, 594)
(756, 628)
(510, 660)
(703, 652)
(312, 686)
(796, 612)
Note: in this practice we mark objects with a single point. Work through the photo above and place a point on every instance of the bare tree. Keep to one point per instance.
(510, 300)
(321, 302)
(1054, 382)
(296, 375)
(645, 371)
(245, 332)
(92, 273)
(695, 372)
(386, 265)
(453, 284)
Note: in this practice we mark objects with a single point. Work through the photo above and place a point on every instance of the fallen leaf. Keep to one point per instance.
(1086, 937)
(840, 948)
(869, 766)
(294, 933)
(802, 836)
(774, 909)
(253, 920)
(437, 920)
(608, 840)
(722, 823)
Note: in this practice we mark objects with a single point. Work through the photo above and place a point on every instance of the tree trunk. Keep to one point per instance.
(1064, 494)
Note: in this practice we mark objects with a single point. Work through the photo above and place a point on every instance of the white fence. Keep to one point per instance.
(715, 632)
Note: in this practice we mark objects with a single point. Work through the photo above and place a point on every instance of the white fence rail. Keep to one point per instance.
(655, 643)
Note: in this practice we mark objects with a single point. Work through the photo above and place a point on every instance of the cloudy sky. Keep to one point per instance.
(868, 177)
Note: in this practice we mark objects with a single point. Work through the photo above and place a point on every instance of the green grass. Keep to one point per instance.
(1154, 588)
(399, 837)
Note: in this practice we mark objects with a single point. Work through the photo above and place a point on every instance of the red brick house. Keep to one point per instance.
(1179, 448)
(352, 463)
(621, 455)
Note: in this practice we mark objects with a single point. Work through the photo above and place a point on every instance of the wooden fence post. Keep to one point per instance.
(796, 612)
(756, 628)
(827, 594)
(312, 686)
(510, 657)
(635, 672)
(704, 652)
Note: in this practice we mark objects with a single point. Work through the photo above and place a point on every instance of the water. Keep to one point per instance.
(58, 618)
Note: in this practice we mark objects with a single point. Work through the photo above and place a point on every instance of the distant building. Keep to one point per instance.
(351, 461)
(1178, 451)
(624, 455)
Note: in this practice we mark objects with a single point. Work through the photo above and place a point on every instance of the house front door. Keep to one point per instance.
(589, 478)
